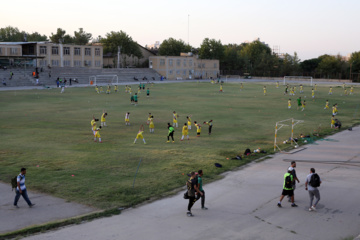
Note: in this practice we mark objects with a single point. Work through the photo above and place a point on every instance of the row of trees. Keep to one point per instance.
(256, 58)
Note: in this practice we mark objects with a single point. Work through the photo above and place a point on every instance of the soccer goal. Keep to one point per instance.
(232, 77)
(286, 123)
(298, 78)
(104, 80)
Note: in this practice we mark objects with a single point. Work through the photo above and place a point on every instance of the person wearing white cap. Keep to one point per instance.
(288, 189)
(293, 172)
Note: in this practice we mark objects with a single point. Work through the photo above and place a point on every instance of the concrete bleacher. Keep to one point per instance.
(24, 77)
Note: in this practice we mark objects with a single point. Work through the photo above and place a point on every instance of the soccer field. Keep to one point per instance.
(49, 133)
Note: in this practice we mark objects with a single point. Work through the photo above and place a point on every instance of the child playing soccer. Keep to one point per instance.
(298, 103)
(185, 132)
(264, 90)
(301, 88)
(135, 99)
(97, 89)
(93, 125)
(139, 134)
(351, 90)
(126, 89)
(189, 121)
(171, 133)
(148, 92)
(315, 87)
(101, 89)
(151, 125)
(127, 119)
(108, 90)
(332, 121)
(115, 88)
(277, 84)
(241, 86)
(326, 104)
(330, 91)
(221, 88)
(198, 129)
(103, 121)
(210, 125)
(312, 93)
(148, 120)
(303, 105)
(132, 99)
(289, 103)
(175, 117)
(97, 134)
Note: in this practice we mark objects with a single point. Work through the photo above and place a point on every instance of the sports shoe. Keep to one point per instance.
(167, 141)
(204, 208)
(181, 139)
(173, 141)
(189, 214)
(294, 205)
(31, 205)
(313, 208)
(279, 205)
(310, 209)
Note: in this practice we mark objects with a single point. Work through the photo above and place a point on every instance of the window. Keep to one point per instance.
(203, 65)
(97, 63)
(170, 62)
(77, 63)
(162, 62)
(171, 72)
(87, 63)
(97, 51)
(199, 65)
(43, 50)
(77, 51)
(13, 51)
(184, 72)
(190, 63)
(43, 63)
(184, 62)
(178, 62)
(87, 51)
(66, 51)
(66, 63)
(178, 72)
(215, 65)
(54, 50)
(54, 63)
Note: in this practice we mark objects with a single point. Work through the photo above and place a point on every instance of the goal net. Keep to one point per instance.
(104, 80)
(297, 78)
(288, 139)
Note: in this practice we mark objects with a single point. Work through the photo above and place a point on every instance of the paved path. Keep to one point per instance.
(243, 204)
(47, 209)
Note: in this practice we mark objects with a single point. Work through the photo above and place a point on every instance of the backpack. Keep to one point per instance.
(288, 182)
(314, 180)
(14, 182)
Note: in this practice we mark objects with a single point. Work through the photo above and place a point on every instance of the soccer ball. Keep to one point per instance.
(296, 146)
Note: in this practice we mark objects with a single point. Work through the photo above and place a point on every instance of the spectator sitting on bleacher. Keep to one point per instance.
(4, 82)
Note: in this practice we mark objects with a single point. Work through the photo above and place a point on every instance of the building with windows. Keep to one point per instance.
(43, 54)
(185, 66)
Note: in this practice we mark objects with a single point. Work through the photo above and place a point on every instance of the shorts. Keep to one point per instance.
(139, 136)
(289, 193)
(147, 94)
(135, 101)
(198, 133)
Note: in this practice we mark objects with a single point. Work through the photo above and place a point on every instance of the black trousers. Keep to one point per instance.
(202, 198)
(210, 127)
(171, 135)
(192, 200)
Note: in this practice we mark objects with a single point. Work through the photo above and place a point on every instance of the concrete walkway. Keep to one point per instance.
(47, 209)
(243, 204)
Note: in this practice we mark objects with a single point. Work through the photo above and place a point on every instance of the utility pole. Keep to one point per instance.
(118, 61)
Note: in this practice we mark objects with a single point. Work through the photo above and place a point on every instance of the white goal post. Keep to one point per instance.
(283, 123)
(103, 80)
(297, 78)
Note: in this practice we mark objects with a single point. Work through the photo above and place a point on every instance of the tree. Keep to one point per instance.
(354, 64)
(81, 37)
(128, 47)
(309, 66)
(173, 47)
(329, 66)
(211, 49)
(61, 37)
(11, 34)
(36, 37)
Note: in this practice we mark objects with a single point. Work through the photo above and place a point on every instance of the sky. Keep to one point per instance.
(309, 27)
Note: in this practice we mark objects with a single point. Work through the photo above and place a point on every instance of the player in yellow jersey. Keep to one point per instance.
(103, 120)
(221, 88)
(345, 92)
(264, 88)
(127, 119)
(330, 91)
(198, 129)
(312, 93)
(301, 88)
(101, 89)
(126, 88)
(97, 134)
(209, 123)
(303, 105)
(93, 124)
(189, 121)
(277, 84)
(315, 87)
(185, 132)
(129, 89)
(108, 90)
(175, 119)
(115, 88)
(289, 103)
(335, 109)
(241, 86)
(148, 119)
(151, 124)
(352, 90)
(139, 134)
(326, 104)
(343, 85)
(333, 121)
(97, 89)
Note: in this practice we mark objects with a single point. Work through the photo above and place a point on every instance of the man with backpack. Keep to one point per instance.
(288, 189)
(192, 186)
(312, 183)
(21, 189)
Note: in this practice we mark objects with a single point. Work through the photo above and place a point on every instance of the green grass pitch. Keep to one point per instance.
(49, 133)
